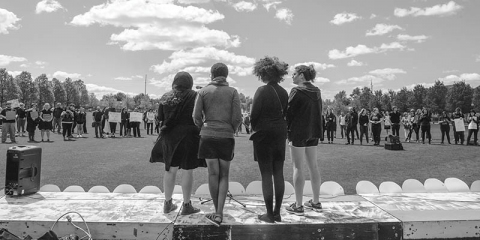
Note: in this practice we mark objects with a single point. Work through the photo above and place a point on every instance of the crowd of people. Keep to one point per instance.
(70, 121)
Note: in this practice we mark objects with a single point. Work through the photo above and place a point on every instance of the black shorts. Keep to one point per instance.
(216, 148)
(312, 142)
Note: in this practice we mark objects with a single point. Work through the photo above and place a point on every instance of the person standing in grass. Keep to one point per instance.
(150, 120)
(32, 122)
(177, 146)
(97, 119)
(459, 135)
(472, 127)
(304, 121)
(376, 121)
(67, 121)
(330, 124)
(46, 118)
(444, 121)
(123, 122)
(57, 122)
(425, 120)
(81, 119)
(343, 128)
(21, 117)
(363, 120)
(351, 120)
(217, 112)
(269, 127)
(8, 125)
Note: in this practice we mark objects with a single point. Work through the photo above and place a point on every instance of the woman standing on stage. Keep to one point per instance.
(177, 145)
(217, 111)
(269, 128)
(304, 121)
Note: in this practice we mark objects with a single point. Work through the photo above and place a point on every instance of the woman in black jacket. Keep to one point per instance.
(330, 124)
(305, 129)
(376, 120)
(425, 120)
(363, 120)
(269, 108)
(444, 121)
(123, 122)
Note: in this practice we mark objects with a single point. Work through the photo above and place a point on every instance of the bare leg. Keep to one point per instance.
(223, 185)
(213, 179)
(187, 183)
(311, 157)
(42, 133)
(48, 134)
(298, 157)
(169, 182)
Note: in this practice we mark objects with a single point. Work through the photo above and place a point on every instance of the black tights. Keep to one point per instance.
(275, 170)
(67, 129)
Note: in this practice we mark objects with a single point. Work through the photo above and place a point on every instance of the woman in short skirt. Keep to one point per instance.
(217, 111)
(46, 117)
(177, 145)
(269, 110)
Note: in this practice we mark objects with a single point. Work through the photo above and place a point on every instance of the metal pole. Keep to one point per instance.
(145, 84)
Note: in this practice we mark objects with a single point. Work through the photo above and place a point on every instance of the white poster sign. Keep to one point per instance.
(459, 125)
(136, 117)
(114, 117)
(10, 115)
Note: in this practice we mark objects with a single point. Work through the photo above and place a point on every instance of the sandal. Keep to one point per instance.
(215, 219)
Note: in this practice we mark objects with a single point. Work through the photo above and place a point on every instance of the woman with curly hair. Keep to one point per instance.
(269, 110)
(304, 121)
(177, 144)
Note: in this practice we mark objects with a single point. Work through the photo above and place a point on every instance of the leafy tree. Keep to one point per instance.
(401, 99)
(435, 98)
(93, 100)
(355, 96)
(416, 100)
(59, 91)
(25, 83)
(45, 90)
(476, 99)
(72, 92)
(9, 87)
(460, 95)
(365, 98)
(376, 100)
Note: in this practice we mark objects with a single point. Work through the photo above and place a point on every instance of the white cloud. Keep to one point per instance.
(355, 63)
(48, 6)
(456, 78)
(411, 86)
(193, 1)
(393, 45)
(24, 65)
(373, 16)
(321, 80)
(197, 62)
(14, 73)
(158, 24)
(245, 6)
(351, 52)
(271, 4)
(285, 14)
(7, 21)
(318, 66)
(99, 91)
(382, 29)
(450, 71)
(406, 37)
(342, 18)
(123, 78)
(447, 9)
(478, 58)
(41, 64)
(388, 73)
(6, 60)
(60, 74)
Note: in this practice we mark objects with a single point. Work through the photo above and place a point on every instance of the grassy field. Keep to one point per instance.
(90, 161)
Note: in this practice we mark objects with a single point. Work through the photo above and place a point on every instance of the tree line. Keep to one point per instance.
(436, 98)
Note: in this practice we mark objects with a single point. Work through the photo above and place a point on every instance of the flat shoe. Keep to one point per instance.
(265, 218)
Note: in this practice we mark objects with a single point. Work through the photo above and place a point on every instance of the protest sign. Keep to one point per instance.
(114, 117)
(10, 115)
(136, 117)
(459, 125)
(34, 115)
(47, 117)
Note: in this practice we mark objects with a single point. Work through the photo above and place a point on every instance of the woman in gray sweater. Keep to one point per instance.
(217, 112)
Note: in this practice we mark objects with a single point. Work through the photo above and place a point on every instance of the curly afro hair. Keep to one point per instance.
(270, 69)
(308, 72)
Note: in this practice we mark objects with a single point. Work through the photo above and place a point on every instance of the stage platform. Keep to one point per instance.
(139, 216)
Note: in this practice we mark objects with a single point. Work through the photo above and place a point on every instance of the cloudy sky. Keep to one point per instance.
(112, 45)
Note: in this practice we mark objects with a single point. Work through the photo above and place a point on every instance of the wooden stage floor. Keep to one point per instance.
(140, 216)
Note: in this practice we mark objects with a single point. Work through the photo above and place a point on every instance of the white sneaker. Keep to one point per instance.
(81, 136)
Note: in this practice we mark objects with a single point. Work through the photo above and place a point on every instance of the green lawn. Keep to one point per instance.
(110, 162)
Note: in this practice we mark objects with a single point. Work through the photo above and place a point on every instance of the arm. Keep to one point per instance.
(236, 111)
(291, 107)
(198, 111)
(256, 109)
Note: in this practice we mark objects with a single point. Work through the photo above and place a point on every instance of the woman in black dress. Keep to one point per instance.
(32, 122)
(425, 120)
(177, 144)
(46, 118)
(269, 110)
(330, 124)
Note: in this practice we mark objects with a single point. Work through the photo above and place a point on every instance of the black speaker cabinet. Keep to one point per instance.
(23, 170)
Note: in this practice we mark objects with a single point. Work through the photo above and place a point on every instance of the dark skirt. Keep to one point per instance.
(269, 153)
(178, 147)
(216, 148)
(45, 125)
